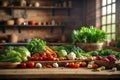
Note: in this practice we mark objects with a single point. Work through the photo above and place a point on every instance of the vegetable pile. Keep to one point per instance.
(15, 54)
(37, 50)
(36, 46)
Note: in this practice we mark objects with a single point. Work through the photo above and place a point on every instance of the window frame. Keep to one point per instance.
(106, 16)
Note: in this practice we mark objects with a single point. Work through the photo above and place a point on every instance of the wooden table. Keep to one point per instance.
(57, 73)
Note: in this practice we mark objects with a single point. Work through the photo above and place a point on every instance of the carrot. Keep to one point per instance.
(50, 50)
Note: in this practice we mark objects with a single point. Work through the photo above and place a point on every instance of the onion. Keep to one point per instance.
(38, 65)
(55, 65)
(66, 64)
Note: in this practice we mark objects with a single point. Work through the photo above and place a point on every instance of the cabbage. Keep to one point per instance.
(15, 54)
(71, 56)
(62, 53)
(24, 51)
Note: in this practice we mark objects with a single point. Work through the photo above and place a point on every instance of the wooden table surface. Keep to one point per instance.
(57, 73)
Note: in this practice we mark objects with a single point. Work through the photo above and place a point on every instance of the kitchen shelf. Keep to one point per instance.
(20, 27)
(25, 43)
(41, 7)
(53, 8)
(13, 44)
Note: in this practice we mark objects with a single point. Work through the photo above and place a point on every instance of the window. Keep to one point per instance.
(108, 18)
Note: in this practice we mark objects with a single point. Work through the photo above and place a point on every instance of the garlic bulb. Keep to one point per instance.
(55, 65)
(38, 65)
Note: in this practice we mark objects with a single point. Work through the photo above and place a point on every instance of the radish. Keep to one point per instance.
(98, 57)
(112, 58)
(66, 64)
(106, 60)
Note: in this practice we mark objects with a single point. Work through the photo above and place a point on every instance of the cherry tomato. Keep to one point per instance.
(23, 65)
(30, 64)
(76, 65)
(44, 57)
(50, 57)
(83, 64)
(55, 59)
(94, 66)
(32, 58)
(40, 58)
(36, 58)
(71, 65)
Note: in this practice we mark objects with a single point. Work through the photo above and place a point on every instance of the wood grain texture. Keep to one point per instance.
(57, 73)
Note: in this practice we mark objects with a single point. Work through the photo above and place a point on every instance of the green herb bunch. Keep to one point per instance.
(88, 35)
(36, 46)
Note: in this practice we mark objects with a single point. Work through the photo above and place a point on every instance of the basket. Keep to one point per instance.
(90, 46)
(107, 65)
(9, 65)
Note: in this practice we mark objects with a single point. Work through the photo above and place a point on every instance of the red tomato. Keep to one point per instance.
(44, 57)
(36, 58)
(94, 66)
(71, 65)
(30, 64)
(23, 65)
(55, 59)
(83, 64)
(32, 58)
(50, 57)
(40, 58)
(76, 65)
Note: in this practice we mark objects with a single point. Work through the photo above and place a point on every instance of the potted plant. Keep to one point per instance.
(89, 38)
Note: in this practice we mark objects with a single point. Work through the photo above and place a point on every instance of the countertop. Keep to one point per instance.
(57, 73)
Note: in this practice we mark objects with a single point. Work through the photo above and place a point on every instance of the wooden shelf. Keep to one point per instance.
(31, 25)
(41, 7)
(24, 44)
(53, 8)
(3, 27)
(13, 44)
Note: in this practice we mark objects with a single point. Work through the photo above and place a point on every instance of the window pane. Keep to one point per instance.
(113, 8)
(103, 2)
(113, 18)
(113, 36)
(109, 9)
(108, 19)
(108, 37)
(108, 28)
(113, 28)
(113, 0)
(104, 28)
(103, 20)
(104, 11)
(109, 1)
